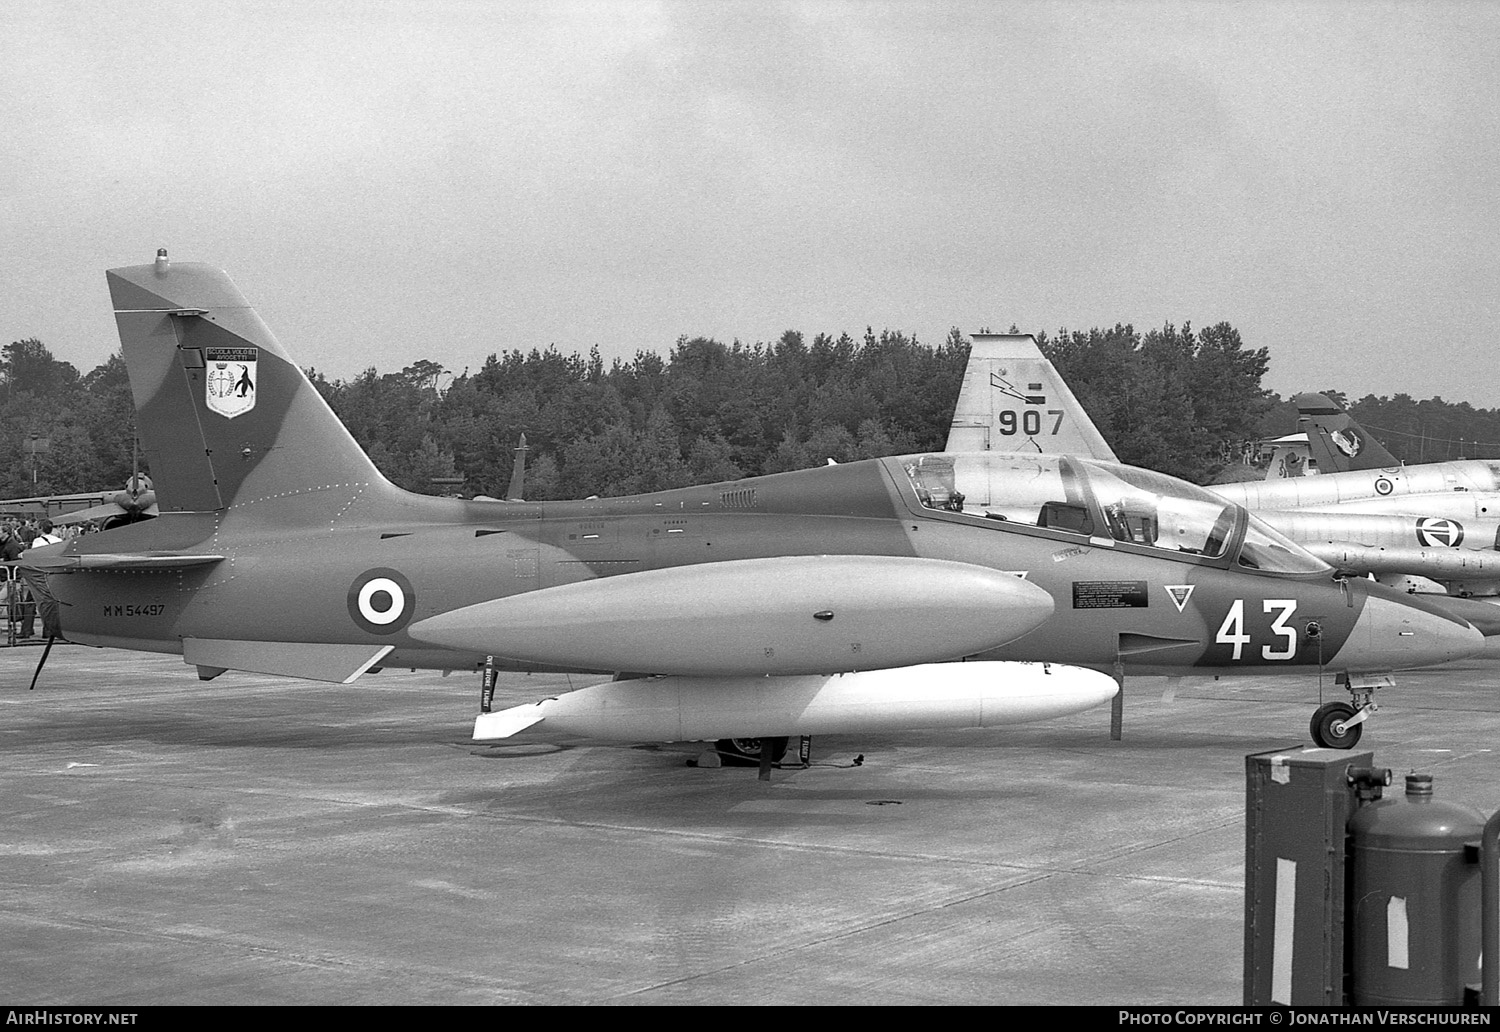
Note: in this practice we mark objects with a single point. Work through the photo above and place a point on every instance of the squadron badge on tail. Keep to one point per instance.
(231, 380)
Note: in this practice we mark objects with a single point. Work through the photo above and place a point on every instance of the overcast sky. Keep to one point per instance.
(390, 182)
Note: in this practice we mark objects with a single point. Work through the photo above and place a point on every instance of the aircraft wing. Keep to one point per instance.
(1014, 400)
(315, 661)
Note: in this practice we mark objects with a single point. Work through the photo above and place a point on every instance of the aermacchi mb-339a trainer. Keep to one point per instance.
(823, 600)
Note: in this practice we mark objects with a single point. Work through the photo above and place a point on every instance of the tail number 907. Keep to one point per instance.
(1232, 631)
(1030, 422)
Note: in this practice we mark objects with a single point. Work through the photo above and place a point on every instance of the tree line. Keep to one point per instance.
(1169, 399)
(708, 411)
(84, 423)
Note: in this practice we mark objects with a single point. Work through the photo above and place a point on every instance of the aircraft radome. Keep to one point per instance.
(823, 600)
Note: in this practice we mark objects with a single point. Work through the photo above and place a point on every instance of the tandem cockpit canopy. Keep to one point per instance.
(1101, 500)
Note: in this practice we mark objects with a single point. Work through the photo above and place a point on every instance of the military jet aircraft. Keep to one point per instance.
(1432, 528)
(812, 601)
(1464, 489)
(1438, 537)
(1356, 474)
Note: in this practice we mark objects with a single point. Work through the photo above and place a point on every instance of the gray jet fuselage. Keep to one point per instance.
(1113, 600)
(280, 548)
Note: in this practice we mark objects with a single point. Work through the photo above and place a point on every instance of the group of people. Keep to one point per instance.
(19, 605)
(26, 530)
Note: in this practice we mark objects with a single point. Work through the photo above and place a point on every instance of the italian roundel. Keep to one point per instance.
(381, 601)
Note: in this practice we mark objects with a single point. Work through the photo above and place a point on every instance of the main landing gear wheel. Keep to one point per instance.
(1331, 728)
(745, 752)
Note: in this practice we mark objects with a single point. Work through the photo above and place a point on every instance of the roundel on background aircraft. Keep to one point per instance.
(381, 601)
(1438, 533)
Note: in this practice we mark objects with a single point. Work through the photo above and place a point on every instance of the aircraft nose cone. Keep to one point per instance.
(1392, 635)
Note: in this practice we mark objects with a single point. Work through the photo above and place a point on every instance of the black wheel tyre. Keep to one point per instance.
(1328, 726)
(745, 752)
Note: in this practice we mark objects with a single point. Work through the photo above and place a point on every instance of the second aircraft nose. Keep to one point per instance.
(1394, 634)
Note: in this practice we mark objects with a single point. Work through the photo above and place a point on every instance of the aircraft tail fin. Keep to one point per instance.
(1335, 441)
(517, 490)
(226, 418)
(1289, 457)
(1013, 399)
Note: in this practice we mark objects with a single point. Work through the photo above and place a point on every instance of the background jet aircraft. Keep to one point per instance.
(1431, 528)
(1467, 489)
(1435, 526)
(1357, 475)
(1428, 554)
(771, 606)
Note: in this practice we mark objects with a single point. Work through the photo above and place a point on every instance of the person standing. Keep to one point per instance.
(44, 535)
(10, 544)
(10, 549)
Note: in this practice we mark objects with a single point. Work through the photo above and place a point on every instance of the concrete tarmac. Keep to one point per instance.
(260, 840)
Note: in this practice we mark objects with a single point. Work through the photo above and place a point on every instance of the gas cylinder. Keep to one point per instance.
(1414, 915)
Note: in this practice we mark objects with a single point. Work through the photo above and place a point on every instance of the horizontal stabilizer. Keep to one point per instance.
(339, 664)
(144, 561)
(489, 726)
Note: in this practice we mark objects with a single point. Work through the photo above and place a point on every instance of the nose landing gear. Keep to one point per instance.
(1338, 725)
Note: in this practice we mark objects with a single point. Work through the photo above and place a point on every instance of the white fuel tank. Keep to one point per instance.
(677, 709)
